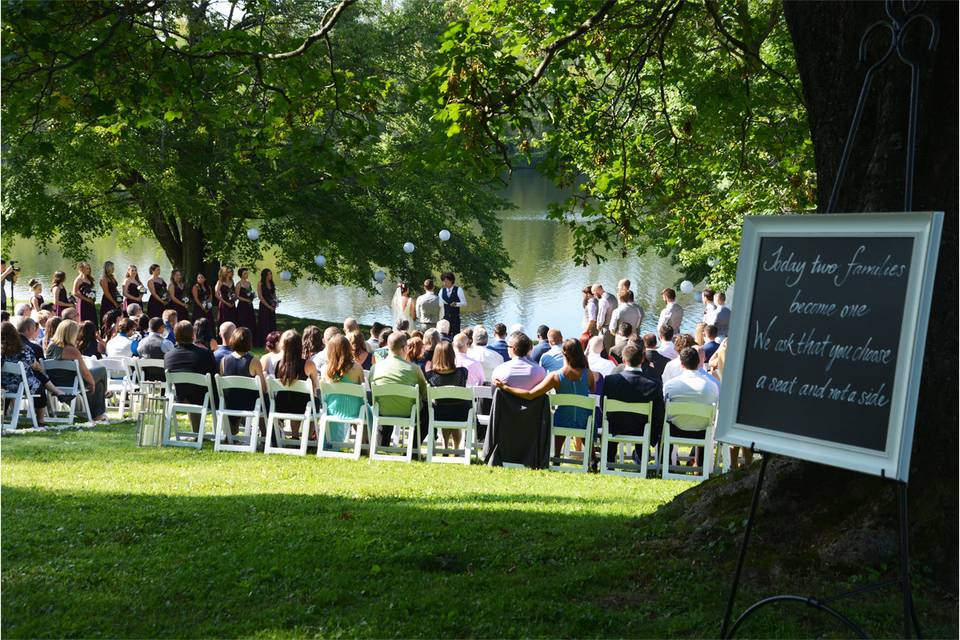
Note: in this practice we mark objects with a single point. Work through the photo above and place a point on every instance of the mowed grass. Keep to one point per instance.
(104, 539)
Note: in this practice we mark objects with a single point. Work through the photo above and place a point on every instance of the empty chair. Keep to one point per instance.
(192, 394)
(406, 428)
(705, 413)
(21, 400)
(568, 412)
(65, 375)
(150, 370)
(622, 464)
(450, 396)
(235, 392)
(285, 414)
(482, 399)
(345, 410)
(119, 383)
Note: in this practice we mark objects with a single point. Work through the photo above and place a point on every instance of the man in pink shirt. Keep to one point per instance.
(518, 371)
(474, 368)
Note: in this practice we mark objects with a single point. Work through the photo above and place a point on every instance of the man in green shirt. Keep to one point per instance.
(394, 369)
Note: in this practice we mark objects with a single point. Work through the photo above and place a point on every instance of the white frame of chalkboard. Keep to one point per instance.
(894, 462)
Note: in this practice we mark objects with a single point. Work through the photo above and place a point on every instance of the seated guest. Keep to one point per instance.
(316, 347)
(443, 329)
(292, 367)
(187, 357)
(89, 341)
(573, 377)
(518, 371)
(350, 324)
(155, 344)
(29, 330)
(711, 342)
(240, 362)
(121, 345)
(169, 322)
(63, 346)
(394, 369)
(543, 343)
(654, 362)
(446, 373)
(499, 343)
(49, 329)
(70, 314)
(273, 354)
(203, 334)
(666, 347)
(488, 358)
(382, 352)
(633, 384)
(374, 342)
(597, 362)
(14, 351)
(342, 367)
(692, 385)
(552, 359)
(415, 354)
(624, 334)
(313, 342)
(474, 368)
(109, 328)
(674, 367)
(360, 354)
(226, 333)
(431, 338)
(135, 313)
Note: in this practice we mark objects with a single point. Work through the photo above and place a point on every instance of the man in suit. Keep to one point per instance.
(656, 362)
(632, 385)
(499, 343)
(543, 343)
(187, 357)
(155, 344)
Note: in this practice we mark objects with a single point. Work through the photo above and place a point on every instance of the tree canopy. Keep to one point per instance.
(188, 120)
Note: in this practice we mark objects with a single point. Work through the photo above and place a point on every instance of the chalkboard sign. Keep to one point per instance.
(826, 345)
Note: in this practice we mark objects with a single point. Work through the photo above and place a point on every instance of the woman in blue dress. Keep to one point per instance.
(341, 367)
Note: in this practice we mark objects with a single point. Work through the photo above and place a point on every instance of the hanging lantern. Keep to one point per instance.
(379, 276)
(285, 275)
(444, 235)
(712, 262)
(320, 260)
(253, 233)
(408, 247)
(686, 286)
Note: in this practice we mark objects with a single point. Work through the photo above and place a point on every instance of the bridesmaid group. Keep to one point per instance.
(226, 301)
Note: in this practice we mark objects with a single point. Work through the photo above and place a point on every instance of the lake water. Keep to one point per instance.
(546, 290)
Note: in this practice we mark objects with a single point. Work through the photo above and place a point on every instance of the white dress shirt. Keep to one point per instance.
(119, 347)
(488, 359)
(667, 350)
(691, 386)
(672, 314)
(601, 365)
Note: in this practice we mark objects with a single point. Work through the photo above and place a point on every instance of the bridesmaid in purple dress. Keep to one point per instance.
(84, 295)
(202, 299)
(226, 296)
(61, 301)
(158, 293)
(179, 299)
(110, 299)
(267, 313)
(133, 289)
(245, 315)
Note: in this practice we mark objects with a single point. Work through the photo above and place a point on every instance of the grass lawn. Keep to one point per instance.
(104, 539)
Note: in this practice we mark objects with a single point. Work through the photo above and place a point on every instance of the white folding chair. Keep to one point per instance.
(330, 448)
(565, 463)
(277, 422)
(624, 465)
(468, 426)
(21, 400)
(481, 393)
(154, 366)
(707, 412)
(223, 438)
(66, 371)
(405, 426)
(119, 383)
(172, 435)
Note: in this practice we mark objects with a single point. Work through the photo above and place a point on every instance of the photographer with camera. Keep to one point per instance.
(8, 273)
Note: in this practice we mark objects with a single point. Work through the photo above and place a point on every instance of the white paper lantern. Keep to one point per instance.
(320, 260)
(408, 247)
(712, 261)
(285, 275)
(253, 233)
(686, 286)
(444, 235)
(379, 276)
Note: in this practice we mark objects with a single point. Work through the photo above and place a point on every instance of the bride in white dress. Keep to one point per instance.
(403, 306)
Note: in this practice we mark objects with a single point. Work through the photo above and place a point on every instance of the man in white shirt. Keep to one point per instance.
(488, 358)
(666, 348)
(552, 360)
(474, 369)
(428, 306)
(672, 313)
(374, 342)
(120, 345)
(606, 304)
(690, 386)
(598, 364)
(591, 314)
(721, 315)
(706, 296)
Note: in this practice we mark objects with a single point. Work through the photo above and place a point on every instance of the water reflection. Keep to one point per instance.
(546, 282)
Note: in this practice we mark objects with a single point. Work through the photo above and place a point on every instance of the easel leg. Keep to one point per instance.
(744, 544)
(909, 614)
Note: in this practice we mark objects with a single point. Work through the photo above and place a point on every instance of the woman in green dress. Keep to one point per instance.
(341, 367)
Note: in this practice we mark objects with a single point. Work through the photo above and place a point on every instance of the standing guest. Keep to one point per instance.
(403, 306)
(169, 322)
(488, 358)
(241, 363)
(394, 369)
(177, 292)
(374, 342)
(292, 367)
(13, 351)
(654, 362)
(720, 318)
(625, 334)
(415, 354)
(63, 346)
(36, 294)
(627, 312)
(155, 344)
(110, 300)
(267, 311)
(666, 347)
(691, 385)
(444, 372)
(595, 358)
(360, 354)
(711, 341)
(202, 296)
(590, 308)
(159, 297)
(315, 345)
(574, 377)
(226, 296)
(187, 357)
(428, 306)
(341, 367)
(543, 344)
(245, 295)
(453, 299)
(709, 308)
(698, 336)
(518, 371)
(623, 286)
(606, 305)
(474, 368)
(203, 335)
(553, 360)
(273, 354)
(499, 343)
(49, 329)
(89, 342)
(84, 295)
(226, 332)
(121, 345)
(61, 301)
(634, 385)
(672, 313)
(5, 272)
(133, 289)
